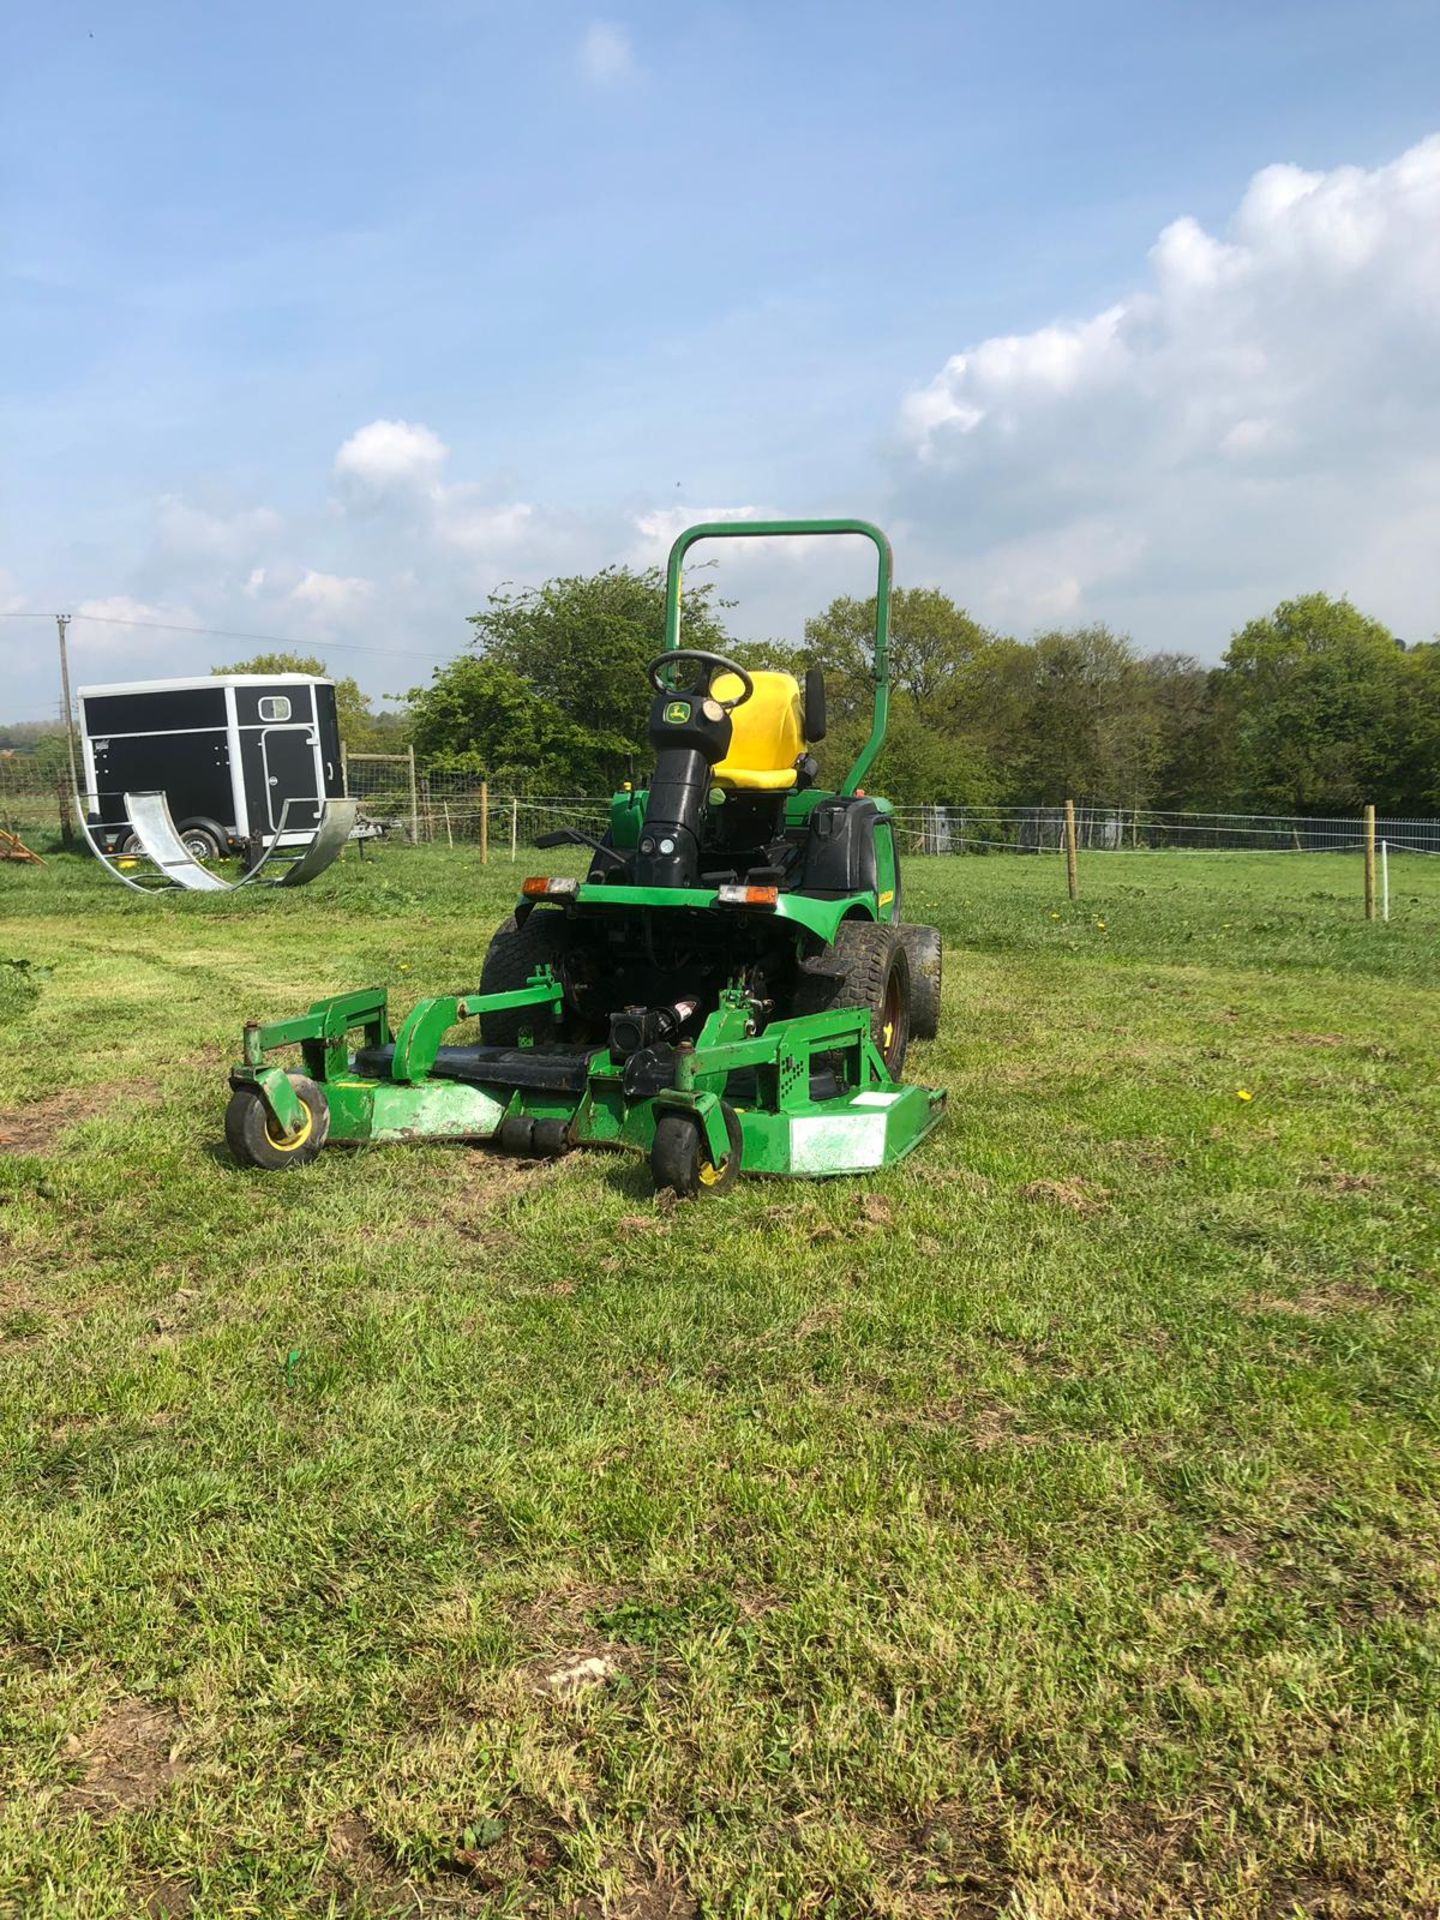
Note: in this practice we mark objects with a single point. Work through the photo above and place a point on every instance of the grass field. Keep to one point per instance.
(1046, 1528)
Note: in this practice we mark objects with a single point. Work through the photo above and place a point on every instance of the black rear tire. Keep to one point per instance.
(878, 979)
(680, 1159)
(924, 952)
(256, 1141)
(541, 939)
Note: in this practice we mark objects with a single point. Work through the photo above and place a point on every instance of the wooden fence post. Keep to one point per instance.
(67, 822)
(1072, 864)
(514, 825)
(1369, 863)
(414, 800)
(484, 823)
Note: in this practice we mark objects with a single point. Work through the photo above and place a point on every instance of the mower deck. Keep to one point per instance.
(811, 1095)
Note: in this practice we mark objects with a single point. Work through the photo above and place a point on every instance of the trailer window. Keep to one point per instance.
(274, 706)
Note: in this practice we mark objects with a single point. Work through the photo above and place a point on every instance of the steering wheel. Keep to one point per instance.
(713, 663)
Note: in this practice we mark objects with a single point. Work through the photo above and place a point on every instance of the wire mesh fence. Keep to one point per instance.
(1101, 828)
(33, 799)
(416, 803)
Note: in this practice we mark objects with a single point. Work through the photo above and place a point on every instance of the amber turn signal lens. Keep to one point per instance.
(535, 885)
(732, 896)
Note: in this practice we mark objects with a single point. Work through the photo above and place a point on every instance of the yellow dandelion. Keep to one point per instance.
(1243, 1093)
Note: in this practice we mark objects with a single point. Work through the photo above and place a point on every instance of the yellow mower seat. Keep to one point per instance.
(768, 736)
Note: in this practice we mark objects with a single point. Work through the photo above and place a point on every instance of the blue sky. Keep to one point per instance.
(318, 321)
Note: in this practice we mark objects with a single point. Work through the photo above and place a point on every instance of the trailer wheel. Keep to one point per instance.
(680, 1157)
(922, 948)
(877, 978)
(255, 1140)
(201, 843)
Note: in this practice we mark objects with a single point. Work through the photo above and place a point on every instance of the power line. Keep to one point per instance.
(230, 633)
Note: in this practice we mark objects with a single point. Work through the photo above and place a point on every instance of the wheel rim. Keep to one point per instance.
(892, 1012)
(710, 1174)
(294, 1141)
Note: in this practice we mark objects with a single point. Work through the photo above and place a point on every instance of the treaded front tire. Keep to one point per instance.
(680, 1158)
(925, 954)
(518, 947)
(255, 1140)
(878, 979)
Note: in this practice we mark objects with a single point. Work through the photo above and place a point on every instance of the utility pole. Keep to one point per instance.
(62, 621)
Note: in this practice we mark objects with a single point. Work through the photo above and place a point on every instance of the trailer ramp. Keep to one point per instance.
(173, 868)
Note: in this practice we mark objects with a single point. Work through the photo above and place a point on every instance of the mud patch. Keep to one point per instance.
(37, 1127)
(130, 1760)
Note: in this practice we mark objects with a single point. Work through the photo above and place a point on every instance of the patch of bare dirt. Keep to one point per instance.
(1338, 1180)
(130, 1760)
(358, 1865)
(955, 1867)
(487, 1181)
(1316, 1303)
(655, 1892)
(561, 1615)
(873, 1214)
(1153, 1155)
(1076, 1196)
(159, 1899)
(34, 1128)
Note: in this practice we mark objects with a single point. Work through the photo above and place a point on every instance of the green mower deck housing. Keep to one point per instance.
(730, 988)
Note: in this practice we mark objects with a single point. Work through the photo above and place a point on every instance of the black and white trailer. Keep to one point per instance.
(228, 752)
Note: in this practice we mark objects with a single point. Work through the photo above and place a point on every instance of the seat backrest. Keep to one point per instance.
(768, 737)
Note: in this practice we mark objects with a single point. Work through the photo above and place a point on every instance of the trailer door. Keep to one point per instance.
(288, 757)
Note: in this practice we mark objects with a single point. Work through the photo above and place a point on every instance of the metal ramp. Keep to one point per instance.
(173, 868)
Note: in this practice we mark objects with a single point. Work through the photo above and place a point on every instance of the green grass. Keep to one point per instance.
(1045, 1528)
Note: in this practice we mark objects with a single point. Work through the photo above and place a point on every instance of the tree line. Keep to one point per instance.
(1316, 708)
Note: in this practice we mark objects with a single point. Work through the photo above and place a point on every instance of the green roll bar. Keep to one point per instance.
(770, 529)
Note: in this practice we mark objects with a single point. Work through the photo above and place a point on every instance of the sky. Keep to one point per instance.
(320, 321)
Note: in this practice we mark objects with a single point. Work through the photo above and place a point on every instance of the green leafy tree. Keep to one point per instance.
(1078, 719)
(479, 716)
(581, 644)
(1419, 770)
(1194, 764)
(362, 729)
(1316, 694)
(932, 642)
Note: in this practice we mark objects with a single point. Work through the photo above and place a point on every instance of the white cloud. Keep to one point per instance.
(332, 596)
(1253, 417)
(606, 55)
(389, 456)
(659, 528)
(397, 467)
(188, 532)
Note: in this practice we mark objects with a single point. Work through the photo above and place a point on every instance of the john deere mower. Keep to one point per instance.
(731, 988)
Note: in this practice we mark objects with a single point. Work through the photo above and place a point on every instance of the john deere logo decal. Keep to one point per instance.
(677, 713)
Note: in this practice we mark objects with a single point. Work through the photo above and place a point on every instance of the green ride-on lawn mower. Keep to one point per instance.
(730, 989)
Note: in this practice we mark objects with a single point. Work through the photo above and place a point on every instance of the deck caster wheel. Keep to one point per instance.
(517, 1136)
(551, 1139)
(256, 1141)
(680, 1157)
